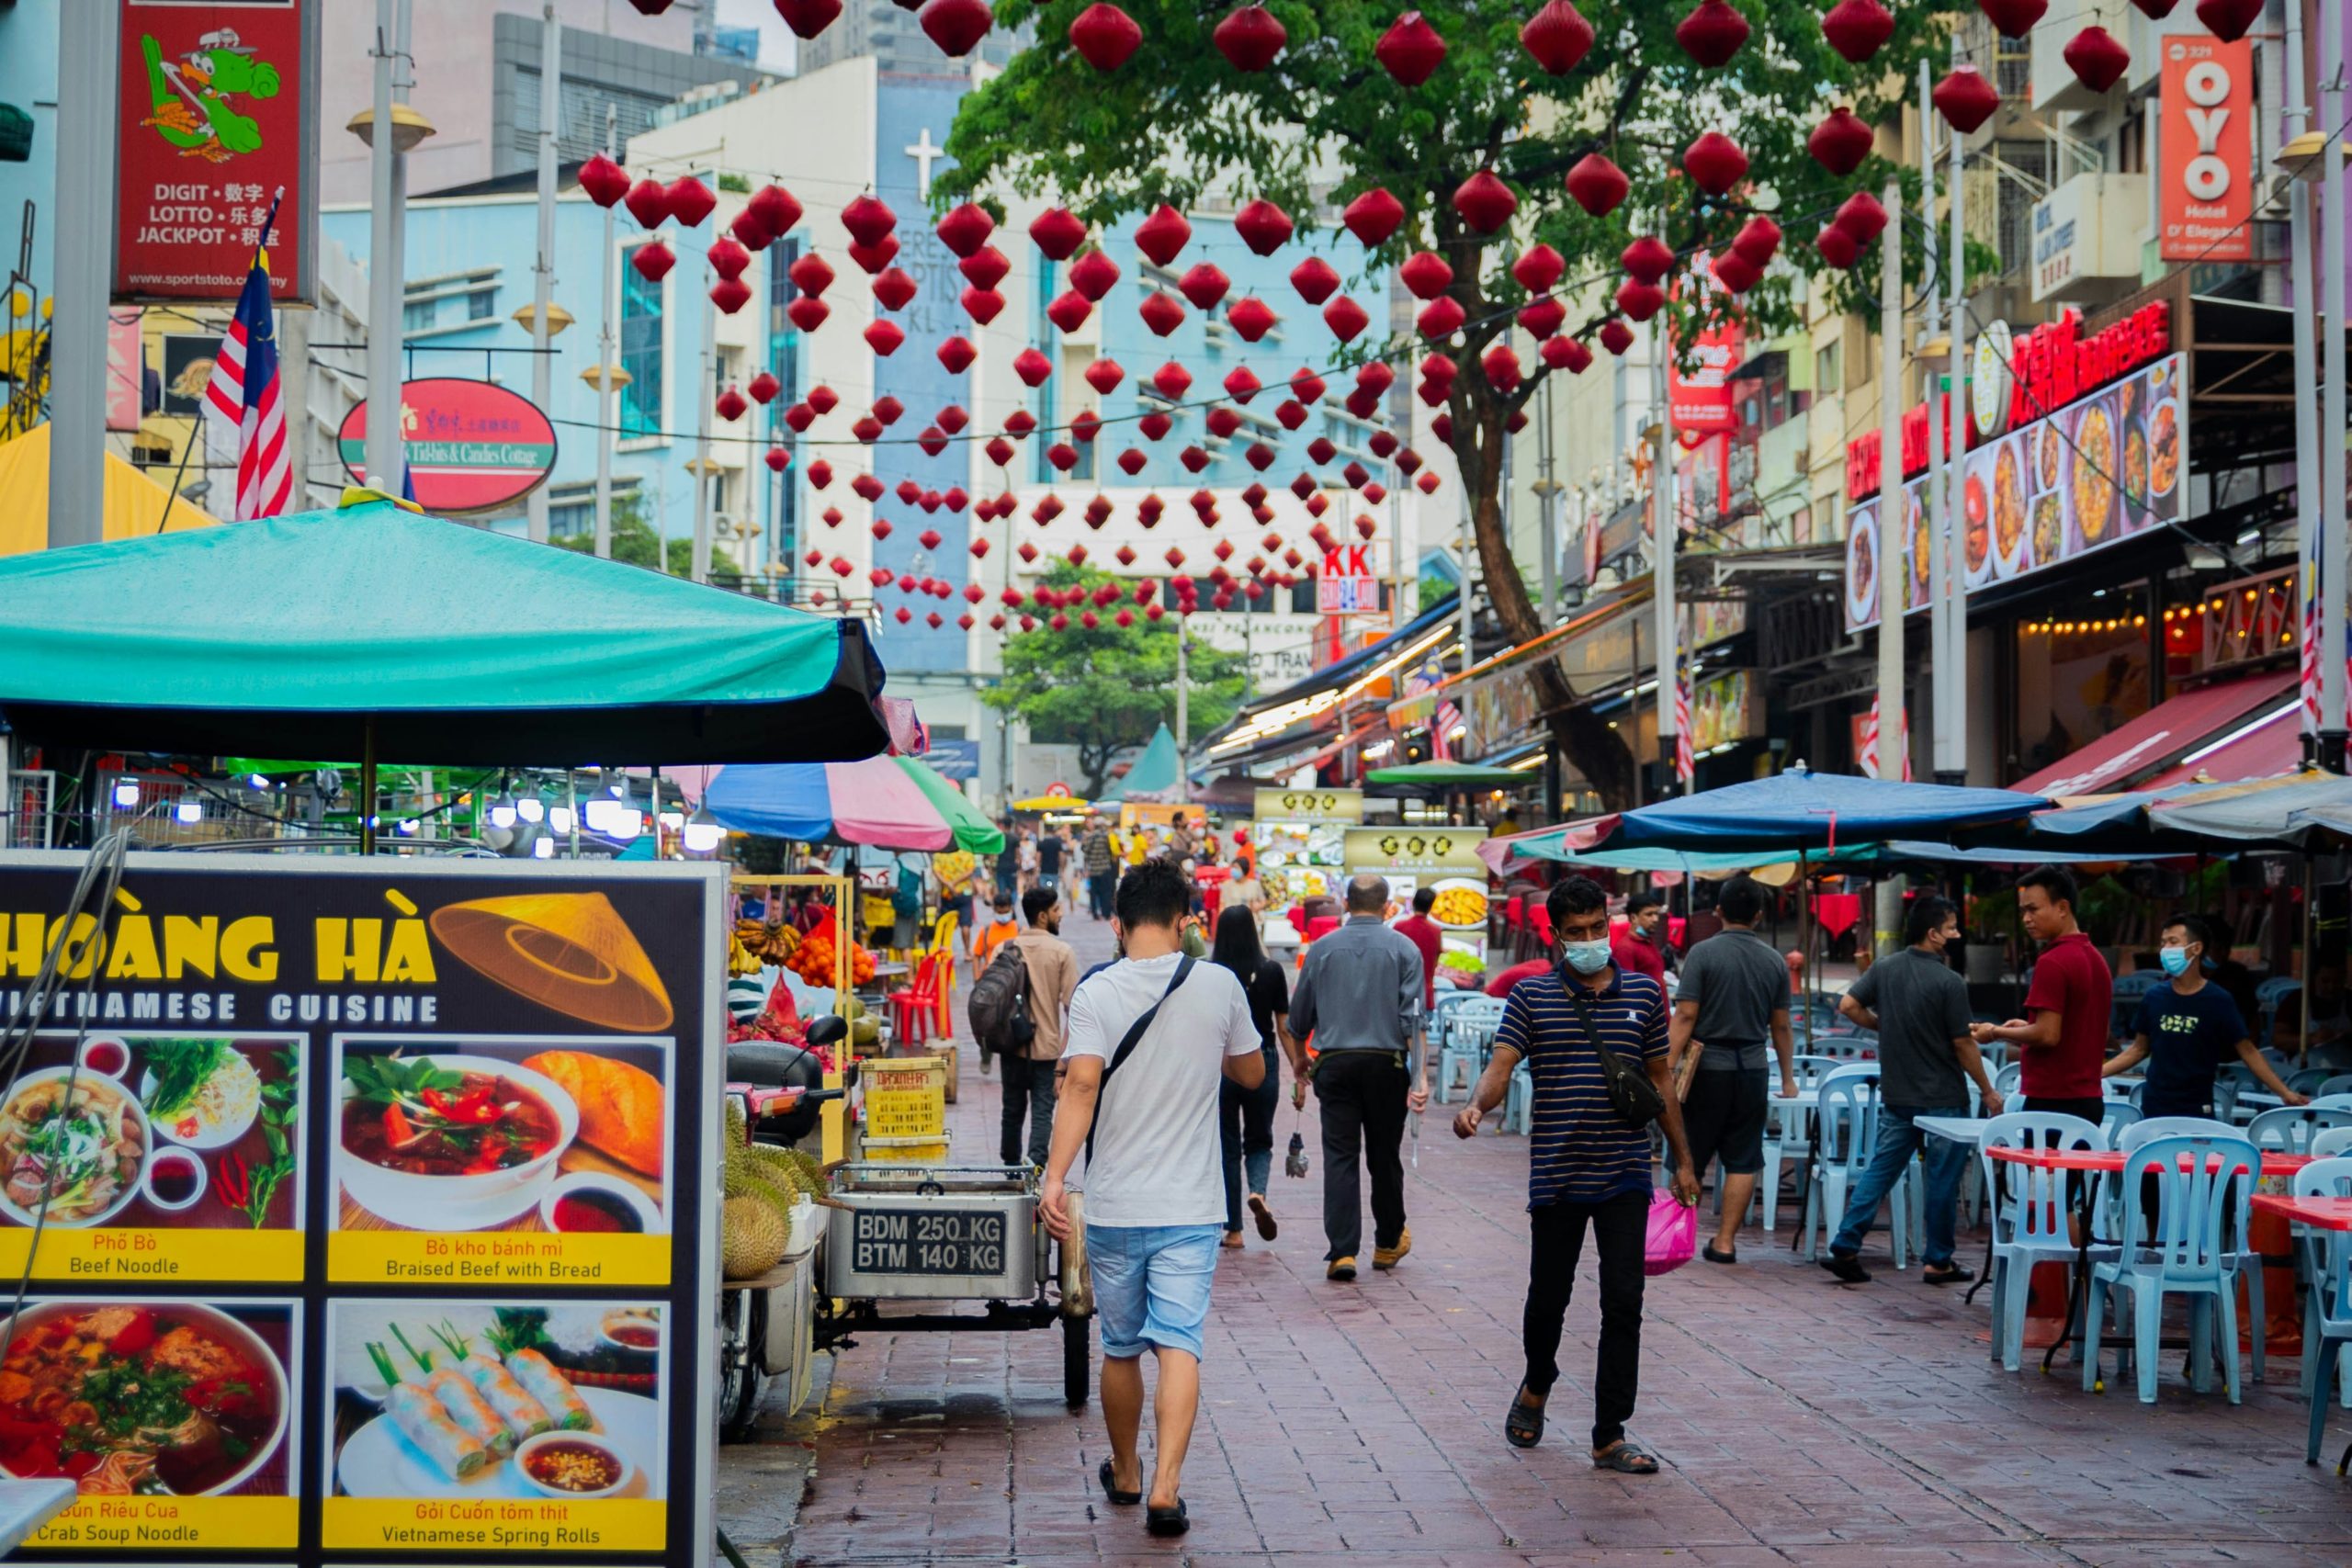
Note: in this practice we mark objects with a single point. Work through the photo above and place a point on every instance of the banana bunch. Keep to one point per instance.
(740, 960)
(767, 943)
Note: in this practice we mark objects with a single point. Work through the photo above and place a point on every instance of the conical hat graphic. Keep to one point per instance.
(570, 952)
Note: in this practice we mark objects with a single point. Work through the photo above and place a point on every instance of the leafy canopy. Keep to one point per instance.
(634, 543)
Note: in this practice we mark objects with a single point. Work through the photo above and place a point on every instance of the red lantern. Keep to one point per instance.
(653, 261)
(2228, 20)
(1648, 259)
(1031, 367)
(810, 274)
(881, 530)
(1104, 375)
(1502, 365)
(1131, 462)
(1240, 385)
(983, 305)
(1568, 354)
(1965, 99)
(1558, 36)
(1321, 450)
(1370, 218)
(894, 288)
(690, 200)
(1840, 141)
(1161, 313)
(1083, 428)
(1439, 369)
(1837, 247)
(1062, 455)
(842, 566)
(1714, 163)
(1263, 227)
(1427, 483)
(605, 181)
(776, 209)
(1757, 241)
(808, 18)
(985, 267)
(1258, 455)
(867, 429)
(799, 416)
(823, 399)
(1315, 280)
(867, 487)
(1249, 37)
(1345, 318)
(1172, 380)
(1411, 49)
(868, 219)
(1307, 386)
(1425, 273)
(731, 295)
(778, 459)
(746, 227)
(2096, 58)
(1203, 284)
(1858, 29)
(999, 450)
(1737, 273)
(1193, 459)
(763, 388)
(1712, 34)
(1058, 234)
(1154, 425)
(1638, 301)
(964, 229)
(1439, 319)
(1485, 202)
(1093, 275)
(2013, 18)
(1598, 185)
(873, 259)
(884, 337)
(1375, 377)
(1615, 336)
(1162, 236)
(933, 441)
(1541, 318)
(1105, 36)
(1538, 269)
(956, 25)
(1250, 318)
(820, 474)
(1861, 217)
(957, 354)
(954, 500)
(648, 202)
(1069, 311)
(1020, 423)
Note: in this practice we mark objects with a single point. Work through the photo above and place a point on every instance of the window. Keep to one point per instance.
(1829, 367)
(450, 302)
(2025, 177)
(641, 355)
(2132, 147)
(478, 305)
(571, 506)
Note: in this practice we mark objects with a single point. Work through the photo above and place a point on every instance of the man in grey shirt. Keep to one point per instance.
(1360, 996)
(1734, 997)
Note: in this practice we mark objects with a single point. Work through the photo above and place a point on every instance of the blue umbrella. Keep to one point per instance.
(1801, 810)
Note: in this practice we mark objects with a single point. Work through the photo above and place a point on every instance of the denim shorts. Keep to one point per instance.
(1151, 1285)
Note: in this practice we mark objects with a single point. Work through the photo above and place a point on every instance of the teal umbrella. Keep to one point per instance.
(374, 632)
(1154, 774)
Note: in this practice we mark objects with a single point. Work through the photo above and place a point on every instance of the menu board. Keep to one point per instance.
(372, 1220)
(1445, 859)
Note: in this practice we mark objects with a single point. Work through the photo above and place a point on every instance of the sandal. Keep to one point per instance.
(1111, 1489)
(1232, 1241)
(1711, 1255)
(1524, 1425)
(1267, 1229)
(1167, 1521)
(1625, 1458)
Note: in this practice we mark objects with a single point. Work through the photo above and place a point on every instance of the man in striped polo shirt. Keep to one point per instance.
(1587, 1167)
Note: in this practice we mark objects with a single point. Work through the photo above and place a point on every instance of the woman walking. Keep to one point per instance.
(1246, 1116)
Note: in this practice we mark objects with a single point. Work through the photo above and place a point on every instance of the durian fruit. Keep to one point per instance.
(791, 1169)
(752, 1237)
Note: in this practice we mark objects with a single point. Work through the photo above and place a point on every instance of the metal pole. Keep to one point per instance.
(88, 41)
(1938, 584)
(1465, 549)
(2336, 565)
(1546, 488)
(387, 268)
(1954, 550)
(543, 273)
(607, 357)
(1894, 545)
(2295, 117)
(706, 388)
(1664, 526)
(1184, 695)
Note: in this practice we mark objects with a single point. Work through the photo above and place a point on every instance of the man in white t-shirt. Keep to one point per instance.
(1155, 1194)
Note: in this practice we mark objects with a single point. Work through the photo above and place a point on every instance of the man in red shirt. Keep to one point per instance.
(1640, 945)
(2063, 1041)
(1421, 932)
(1501, 984)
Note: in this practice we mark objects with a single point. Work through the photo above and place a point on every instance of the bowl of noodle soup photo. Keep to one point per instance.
(83, 1147)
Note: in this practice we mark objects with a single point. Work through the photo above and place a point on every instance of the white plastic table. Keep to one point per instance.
(25, 1506)
(1968, 1130)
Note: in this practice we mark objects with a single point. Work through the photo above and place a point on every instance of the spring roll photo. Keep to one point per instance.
(551, 1388)
(464, 1405)
(525, 1417)
(417, 1413)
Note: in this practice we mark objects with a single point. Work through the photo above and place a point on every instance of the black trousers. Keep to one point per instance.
(1362, 1096)
(1245, 1126)
(1028, 1086)
(1099, 886)
(1621, 1234)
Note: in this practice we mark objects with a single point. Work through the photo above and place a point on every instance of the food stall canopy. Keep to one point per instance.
(892, 803)
(1156, 774)
(1050, 803)
(133, 505)
(371, 631)
(1449, 775)
(2265, 810)
(1800, 810)
(2174, 731)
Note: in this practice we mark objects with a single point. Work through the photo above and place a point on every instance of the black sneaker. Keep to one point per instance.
(1848, 1268)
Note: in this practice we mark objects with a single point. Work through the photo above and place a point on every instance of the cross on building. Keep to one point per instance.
(924, 154)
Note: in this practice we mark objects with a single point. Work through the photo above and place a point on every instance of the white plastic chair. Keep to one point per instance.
(2334, 1141)
(2029, 1214)
(1846, 1131)
(1470, 1026)
(2290, 1129)
(2327, 1312)
(2241, 1255)
(2005, 1080)
(2204, 1188)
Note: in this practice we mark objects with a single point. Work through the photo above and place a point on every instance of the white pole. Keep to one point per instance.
(89, 37)
(1547, 530)
(387, 269)
(1184, 694)
(1894, 545)
(1954, 550)
(607, 356)
(706, 390)
(2336, 565)
(1664, 525)
(2308, 570)
(1938, 514)
(543, 273)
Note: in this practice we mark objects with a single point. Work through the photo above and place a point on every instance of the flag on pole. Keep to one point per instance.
(2311, 722)
(1447, 719)
(244, 391)
(1870, 744)
(1686, 760)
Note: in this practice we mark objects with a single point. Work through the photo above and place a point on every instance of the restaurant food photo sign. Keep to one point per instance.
(2107, 464)
(376, 1223)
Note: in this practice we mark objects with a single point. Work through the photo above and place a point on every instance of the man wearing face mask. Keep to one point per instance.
(1732, 1007)
(1588, 1168)
(2186, 1030)
(1641, 946)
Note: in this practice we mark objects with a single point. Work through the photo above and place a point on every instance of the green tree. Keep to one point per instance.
(1177, 120)
(635, 542)
(1107, 688)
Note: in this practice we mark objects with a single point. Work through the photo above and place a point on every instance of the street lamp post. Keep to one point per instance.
(1893, 544)
(543, 274)
(1953, 769)
(387, 269)
(2336, 563)
(605, 359)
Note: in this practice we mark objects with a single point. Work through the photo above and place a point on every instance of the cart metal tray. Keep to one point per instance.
(934, 1233)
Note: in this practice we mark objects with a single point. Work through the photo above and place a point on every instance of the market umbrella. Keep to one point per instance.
(892, 803)
(1803, 810)
(2262, 810)
(1447, 775)
(1155, 773)
(374, 632)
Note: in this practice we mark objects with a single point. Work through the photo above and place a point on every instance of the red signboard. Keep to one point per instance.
(2205, 166)
(1699, 404)
(473, 445)
(217, 119)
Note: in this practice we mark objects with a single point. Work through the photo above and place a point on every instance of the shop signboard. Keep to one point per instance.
(1309, 806)
(1442, 858)
(405, 1169)
(472, 445)
(218, 118)
(1298, 834)
(1722, 711)
(2102, 469)
(1698, 399)
(2205, 183)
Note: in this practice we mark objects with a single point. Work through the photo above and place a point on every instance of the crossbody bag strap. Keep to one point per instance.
(1127, 1043)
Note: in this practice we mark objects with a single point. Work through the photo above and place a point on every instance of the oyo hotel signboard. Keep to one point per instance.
(2076, 444)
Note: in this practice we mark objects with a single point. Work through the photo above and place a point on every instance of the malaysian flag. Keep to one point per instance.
(1870, 744)
(244, 391)
(2312, 723)
(1447, 719)
(1686, 761)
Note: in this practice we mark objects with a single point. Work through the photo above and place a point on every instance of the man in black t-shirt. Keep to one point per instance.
(2186, 1030)
(1049, 860)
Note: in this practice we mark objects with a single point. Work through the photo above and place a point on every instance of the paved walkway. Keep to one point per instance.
(1800, 1422)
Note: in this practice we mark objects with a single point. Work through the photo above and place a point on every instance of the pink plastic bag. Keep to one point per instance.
(1674, 1234)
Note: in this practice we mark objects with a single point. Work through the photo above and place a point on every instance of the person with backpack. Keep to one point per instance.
(1152, 1039)
(1032, 1054)
(987, 941)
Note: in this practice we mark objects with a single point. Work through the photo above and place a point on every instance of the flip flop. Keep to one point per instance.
(1110, 1490)
(1263, 1216)
(1523, 1426)
(1167, 1521)
(1626, 1458)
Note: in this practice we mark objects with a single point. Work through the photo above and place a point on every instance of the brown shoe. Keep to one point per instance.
(1267, 1229)
(1340, 1268)
(1386, 1257)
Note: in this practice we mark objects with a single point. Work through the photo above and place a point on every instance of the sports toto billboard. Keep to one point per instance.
(473, 445)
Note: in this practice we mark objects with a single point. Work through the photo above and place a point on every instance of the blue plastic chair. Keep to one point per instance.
(1470, 1025)
(2114, 1116)
(2327, 1311)
(2128, 990)
(2290, 1129)
(2330, 1102)
(2340, 1084)
(2271, 996)
(1787, 1137)
(2028, 1214)
(2005, 1080)
(2199, 1228)
(2328, 1144)
(2308, 1080)
(1519, 1101)
(1846, 1138)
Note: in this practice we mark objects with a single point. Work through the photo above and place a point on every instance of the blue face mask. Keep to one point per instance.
(2175, 960)
(1586, 957)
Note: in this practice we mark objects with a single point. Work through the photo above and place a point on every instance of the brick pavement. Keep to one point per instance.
(1799, 1422)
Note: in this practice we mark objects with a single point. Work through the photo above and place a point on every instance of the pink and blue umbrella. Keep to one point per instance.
(891, 803)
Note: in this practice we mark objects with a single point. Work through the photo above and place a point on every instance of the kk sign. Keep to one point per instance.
(2206, 190)
(1348, 582)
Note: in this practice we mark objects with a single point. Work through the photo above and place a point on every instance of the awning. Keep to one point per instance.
(132, 504)
(1339, 672)
(2266, 746)
(2175, 731)
(1154, 774)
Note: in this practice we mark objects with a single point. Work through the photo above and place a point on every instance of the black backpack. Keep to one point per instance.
(999, 1007)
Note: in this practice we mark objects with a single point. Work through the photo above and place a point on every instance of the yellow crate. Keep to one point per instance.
(894, 1074)
(906, 1151)
(907, 1113)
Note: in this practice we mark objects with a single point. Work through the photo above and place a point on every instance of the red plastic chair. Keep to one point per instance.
(913, 1007)
(1539, 918)
(1514, 911)
(1321, 925)
(1297, 916)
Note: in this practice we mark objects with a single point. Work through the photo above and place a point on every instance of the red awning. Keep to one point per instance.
(2163, 736)
(2266, 745)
